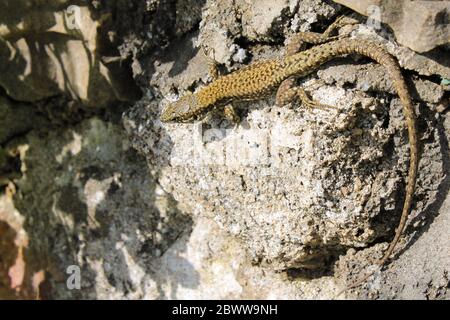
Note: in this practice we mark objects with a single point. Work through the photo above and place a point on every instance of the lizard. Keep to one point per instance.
(261, 78)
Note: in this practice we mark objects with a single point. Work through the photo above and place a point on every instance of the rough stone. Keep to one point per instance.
(266, 18)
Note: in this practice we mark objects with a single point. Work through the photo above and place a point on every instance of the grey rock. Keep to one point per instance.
(290, 203)
(418, 25)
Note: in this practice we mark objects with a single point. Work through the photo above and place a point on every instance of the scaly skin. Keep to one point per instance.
(260, 79)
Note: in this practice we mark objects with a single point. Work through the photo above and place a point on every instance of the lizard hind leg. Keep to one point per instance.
(299, 93)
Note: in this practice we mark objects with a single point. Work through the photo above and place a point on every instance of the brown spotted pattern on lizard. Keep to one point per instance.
(261, 78)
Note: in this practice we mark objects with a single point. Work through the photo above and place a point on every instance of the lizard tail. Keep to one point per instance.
(380, 55)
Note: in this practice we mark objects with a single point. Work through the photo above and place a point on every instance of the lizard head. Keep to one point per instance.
(186, 109)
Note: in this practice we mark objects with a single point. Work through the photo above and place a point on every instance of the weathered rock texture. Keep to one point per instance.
(295, 187)
(418, 25)
(288, 204)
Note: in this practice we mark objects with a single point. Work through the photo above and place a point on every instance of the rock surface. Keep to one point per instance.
(288, 204)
